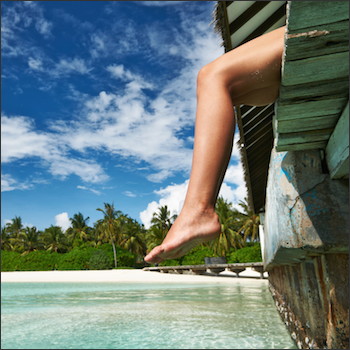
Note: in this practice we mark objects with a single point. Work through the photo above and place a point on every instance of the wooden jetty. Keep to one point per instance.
(209, 268)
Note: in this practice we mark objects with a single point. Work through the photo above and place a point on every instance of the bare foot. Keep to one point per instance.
(189, 229)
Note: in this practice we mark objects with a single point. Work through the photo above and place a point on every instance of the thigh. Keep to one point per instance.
(254, 68)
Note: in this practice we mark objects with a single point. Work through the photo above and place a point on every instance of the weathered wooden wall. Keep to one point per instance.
(312, 300)
(315, 74)
(305, 248)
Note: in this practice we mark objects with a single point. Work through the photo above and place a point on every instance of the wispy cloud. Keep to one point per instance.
(89, 189)
(17, 16)
(129, 194)
(8, 183)
(63, 68)
(129, 123)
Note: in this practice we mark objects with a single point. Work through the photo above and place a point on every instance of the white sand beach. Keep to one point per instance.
(129, 276)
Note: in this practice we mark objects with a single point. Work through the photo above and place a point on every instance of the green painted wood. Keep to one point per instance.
(305, 124)
(309, 109)
(304, 14)
(317, 41)
(301, 146)
(337, 150)
(305, 136)
(314, 91)
(326, 67)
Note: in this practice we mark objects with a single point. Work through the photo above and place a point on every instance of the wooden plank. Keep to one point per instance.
(310, 109)
(305, 124)
(311, 13)
(301, 146)
(304, 137)
(337, 150)
(314, 91)
(317, 41)
(326, 67)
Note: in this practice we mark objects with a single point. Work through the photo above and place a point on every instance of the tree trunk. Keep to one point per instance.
(114, 254)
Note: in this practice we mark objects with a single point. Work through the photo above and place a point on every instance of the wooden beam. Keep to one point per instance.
(317, 41)
(315, 13)
(314, 91)
(326, 67)
(337, 150)
(295, 141)
(312, 123)
(301, 146)
(310, 109)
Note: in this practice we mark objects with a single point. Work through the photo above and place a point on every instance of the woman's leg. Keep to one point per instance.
(249, 75)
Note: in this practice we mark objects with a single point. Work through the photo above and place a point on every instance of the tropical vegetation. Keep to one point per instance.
(116, 240)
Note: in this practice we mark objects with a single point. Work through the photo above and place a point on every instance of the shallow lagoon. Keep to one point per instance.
(140, 316)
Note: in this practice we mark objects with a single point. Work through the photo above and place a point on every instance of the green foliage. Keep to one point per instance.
(99, 260)
(196, 256)
(39, 260)
(170, 262)
(77, 259)
(252, 253)
(10, 260)
(125, 258)
(85, 247)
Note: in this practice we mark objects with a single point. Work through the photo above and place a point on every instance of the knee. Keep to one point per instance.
(210, 75)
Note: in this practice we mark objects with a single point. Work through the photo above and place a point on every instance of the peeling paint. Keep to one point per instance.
(310, 34)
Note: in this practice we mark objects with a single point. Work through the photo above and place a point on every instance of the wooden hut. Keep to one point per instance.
(296, 159)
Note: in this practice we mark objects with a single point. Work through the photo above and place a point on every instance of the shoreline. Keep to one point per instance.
(128, 276)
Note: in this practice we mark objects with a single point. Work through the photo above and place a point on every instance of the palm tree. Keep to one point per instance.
(229, 220)
(161, 224)
(109, 227)
(54, 239)
(131, 239)
(155, 236)
(250, 226)
(29, 239)
(80, 229)
(15, 226)
(6, 243)
(162, 218)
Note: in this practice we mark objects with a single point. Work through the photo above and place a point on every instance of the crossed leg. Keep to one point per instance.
(250, 75)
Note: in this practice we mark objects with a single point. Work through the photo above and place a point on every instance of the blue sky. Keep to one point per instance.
(98, 105)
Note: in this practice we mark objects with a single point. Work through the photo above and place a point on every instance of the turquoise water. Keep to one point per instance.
(140, 316)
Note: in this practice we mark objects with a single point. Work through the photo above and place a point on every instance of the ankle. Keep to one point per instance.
(198, 208)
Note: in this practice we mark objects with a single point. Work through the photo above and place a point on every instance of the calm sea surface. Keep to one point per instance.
(140, 316)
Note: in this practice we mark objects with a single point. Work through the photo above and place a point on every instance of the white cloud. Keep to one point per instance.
(89, 189)
(48, 69)
(19, 140)
(119, 72)
(174, 195)
(130, 194)
(67, 66)
(62, 220)
(15, 18)
(35, 63)
(8, 183)
(128, 123)
(234, 175)
(136, 82)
